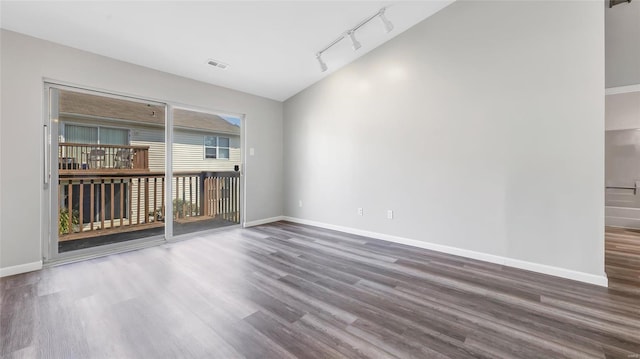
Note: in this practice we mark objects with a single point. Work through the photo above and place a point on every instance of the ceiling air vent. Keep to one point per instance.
(218, 64)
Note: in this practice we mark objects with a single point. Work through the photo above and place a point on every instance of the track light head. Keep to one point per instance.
(388, 26)
(355, 44)
(323, 66)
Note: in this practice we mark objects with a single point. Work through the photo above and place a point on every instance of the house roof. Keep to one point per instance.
(114, 109)
(203, 121)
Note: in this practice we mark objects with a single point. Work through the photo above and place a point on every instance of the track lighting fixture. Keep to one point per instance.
(613, 3)
(323, 66)
(355, 44)
(388, 26)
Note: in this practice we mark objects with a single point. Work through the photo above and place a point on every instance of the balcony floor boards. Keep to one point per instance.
(291, 291)
(110, 231)
(97, 238)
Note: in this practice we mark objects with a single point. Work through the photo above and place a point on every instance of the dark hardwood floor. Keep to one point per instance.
(622, 259)
(284, 290)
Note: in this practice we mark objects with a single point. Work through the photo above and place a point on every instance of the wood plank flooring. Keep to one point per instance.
(291, 291)
(622, 259)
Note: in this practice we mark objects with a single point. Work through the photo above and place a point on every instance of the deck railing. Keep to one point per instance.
(82, 156)
(210, 194)
(90, 206)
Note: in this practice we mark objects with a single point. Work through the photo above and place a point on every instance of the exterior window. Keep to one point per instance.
(113, 136)
(80, 134)
(216, 147)
(94, 135)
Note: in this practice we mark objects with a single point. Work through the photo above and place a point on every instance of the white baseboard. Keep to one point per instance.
(622, 222)
(21, 268)
(622, 89)
(534, 267)
(263, 221)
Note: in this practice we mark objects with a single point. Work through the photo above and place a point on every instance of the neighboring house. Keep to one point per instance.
(201, 141)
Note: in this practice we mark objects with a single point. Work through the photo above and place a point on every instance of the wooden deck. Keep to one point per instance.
(109, 231)
(622, 259)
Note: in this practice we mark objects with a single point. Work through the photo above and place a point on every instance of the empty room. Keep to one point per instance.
(315, 179)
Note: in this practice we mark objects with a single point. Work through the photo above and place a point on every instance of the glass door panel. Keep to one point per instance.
(206, 171)
(108, 170)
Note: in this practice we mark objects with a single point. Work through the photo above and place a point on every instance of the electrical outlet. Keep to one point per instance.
(360, 211)
(300, 203)
(389, 214)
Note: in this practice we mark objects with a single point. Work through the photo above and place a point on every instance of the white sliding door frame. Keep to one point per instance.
(49, 198)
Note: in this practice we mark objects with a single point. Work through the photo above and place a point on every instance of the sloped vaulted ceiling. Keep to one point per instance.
(270, 46)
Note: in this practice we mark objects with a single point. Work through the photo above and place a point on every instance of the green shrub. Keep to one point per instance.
(63, 222)
(182, 208)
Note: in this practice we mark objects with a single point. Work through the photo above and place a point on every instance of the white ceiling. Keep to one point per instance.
(270, 46)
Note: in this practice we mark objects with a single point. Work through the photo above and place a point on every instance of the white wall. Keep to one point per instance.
(622, 44)
(481, 127)
(26, 61)
(622, 111)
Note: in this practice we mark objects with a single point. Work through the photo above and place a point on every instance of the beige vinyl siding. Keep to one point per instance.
(188, 147)
(188, 150)
(154, 138)
(188, 153)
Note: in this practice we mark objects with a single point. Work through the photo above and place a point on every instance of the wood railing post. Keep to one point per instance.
(112, 202)
(190, 197)
(122, 209)
(81, 206)
(102, 203)
(177, 199)
(70, 206)
(92, 204)
(184, 199)
(130, 201)
(205, 197)
(146, 200)
(162, 204)
(138, 207)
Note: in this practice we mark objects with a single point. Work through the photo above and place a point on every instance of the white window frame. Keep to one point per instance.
(217, 147)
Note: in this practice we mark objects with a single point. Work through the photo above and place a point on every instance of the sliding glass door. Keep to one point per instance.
(106, 171)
